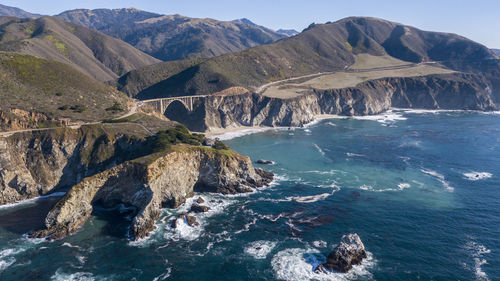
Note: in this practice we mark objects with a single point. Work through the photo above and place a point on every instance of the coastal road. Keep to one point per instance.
(264, 87)
(131, 112)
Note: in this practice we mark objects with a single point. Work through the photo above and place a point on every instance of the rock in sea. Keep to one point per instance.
(265, 162)
(349, 252)
(199, 209)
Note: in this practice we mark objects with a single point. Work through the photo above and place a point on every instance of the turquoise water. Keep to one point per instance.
(421, 189)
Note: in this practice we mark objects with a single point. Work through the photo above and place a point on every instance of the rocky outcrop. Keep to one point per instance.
(445, 91)
(349, 252)
(18, 119)
(150, 183)
(39, 162)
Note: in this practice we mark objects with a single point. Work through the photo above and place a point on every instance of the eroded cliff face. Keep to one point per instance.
(149, 183)
(450, 91)
(39, 162)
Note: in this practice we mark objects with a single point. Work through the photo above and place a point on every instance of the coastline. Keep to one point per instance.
(391, 115)
(234, 132)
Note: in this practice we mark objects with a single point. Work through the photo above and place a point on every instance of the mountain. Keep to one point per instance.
(173, 37)
(288, 32)
(497, 51)
(16, 12)
(37, 92)
(98, 55)
(320, 48)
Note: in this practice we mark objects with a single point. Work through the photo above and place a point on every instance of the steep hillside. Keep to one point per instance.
(173, 37)
(322, 48)
(37, 93)
(91, 52)
(497, 51)
(16, 12)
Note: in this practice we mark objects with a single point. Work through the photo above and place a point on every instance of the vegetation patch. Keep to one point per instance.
(179, 134)
(58, 43)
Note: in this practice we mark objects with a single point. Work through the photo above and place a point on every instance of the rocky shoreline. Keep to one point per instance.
(251, 110)
(108, 168)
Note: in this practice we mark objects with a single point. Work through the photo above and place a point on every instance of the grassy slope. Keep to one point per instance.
(321, 48)
(89, 51)
(42, 86)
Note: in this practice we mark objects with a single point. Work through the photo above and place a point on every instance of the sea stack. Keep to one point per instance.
(349, 252)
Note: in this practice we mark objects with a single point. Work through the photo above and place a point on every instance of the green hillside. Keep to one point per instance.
(320, 48)
(37, 92)
(91, 52)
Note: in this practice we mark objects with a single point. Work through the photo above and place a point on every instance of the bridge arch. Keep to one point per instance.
(167, 103)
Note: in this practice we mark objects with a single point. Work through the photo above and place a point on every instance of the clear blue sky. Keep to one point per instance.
(476, 19)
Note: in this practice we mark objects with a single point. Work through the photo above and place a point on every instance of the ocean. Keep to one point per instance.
(421, 188)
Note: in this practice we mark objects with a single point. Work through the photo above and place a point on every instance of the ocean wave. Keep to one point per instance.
(320, 244)
(400, 187)
(7, 257)
(32, 200)
(319, 149)
(415, 143)
(298, 265)
(384, 118)
(183, 230)
(475, 176)
(303, 199)
(437, 111)
(78, 276)
(440, 178)
(164, 275)
(349, 154)
(477, 251)
(260, 249)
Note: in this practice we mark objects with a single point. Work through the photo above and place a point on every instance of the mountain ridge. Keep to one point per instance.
(16, 12)
(173, 37)
(91, 52)
(320, 48)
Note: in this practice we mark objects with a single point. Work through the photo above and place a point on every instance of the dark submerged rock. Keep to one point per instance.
(265, 162)
(349, 252)
(196, 208)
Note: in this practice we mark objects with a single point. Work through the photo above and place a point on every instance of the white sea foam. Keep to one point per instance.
(477, 251)
(69, 245)
(439, 177)
(164, 275)
(7, 259)
(319, 149)
(475, 176)
(415, 143)
(304, 199)
(183, 230)
(78, 276)
(385, 118)
(239, 133)
(32, 200)
(299, 264)
(400, 187)
(349, 154)
(320, 244)
(260, 249)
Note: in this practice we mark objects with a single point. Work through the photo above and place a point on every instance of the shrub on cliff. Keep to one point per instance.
(176, 135)
(220, 145)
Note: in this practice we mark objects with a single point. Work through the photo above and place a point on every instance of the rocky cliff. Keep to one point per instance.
(39, 162)
(149, 183)
(112, 164)
(447, 91)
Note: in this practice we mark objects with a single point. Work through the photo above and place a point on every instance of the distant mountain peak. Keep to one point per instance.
(16, 12)
(288, 32)
(245, 21)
